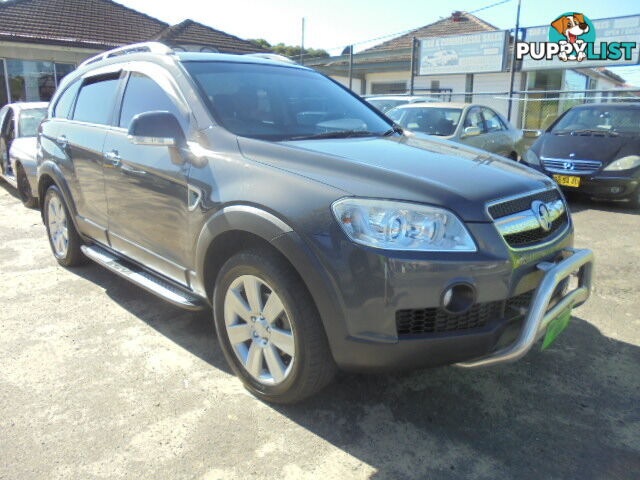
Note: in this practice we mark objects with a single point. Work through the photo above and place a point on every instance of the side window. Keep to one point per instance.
(65, 101)
(492, 120)
(474, 119)
(144, 95)
(96, 100)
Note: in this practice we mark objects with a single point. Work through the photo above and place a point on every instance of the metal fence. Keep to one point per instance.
(533, 109)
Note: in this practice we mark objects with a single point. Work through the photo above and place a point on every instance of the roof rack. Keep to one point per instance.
(151, 47)
(271, 56)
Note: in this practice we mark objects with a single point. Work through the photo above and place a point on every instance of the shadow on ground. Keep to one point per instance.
(578, 203)
(569, 412)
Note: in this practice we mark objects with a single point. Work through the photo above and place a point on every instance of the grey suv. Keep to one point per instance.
(321, 234)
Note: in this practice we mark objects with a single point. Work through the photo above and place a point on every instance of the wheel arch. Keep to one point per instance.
(50, 174)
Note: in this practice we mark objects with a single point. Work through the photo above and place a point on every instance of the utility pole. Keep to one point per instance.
(302, 45)
(413, 65)
(513, 62)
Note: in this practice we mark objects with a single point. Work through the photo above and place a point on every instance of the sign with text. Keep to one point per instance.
(602, 43)
(471, 53)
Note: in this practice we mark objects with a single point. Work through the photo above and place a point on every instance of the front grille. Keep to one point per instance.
(435, 320)
(521, 204)
(569, 167)
(537, 235)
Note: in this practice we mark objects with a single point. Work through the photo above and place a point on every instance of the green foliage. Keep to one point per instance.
(290, 50)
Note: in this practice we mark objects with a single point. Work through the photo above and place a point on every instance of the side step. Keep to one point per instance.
(10, 179)
(151, 283)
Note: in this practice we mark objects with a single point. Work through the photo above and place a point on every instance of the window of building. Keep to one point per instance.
(62, 70)
(144, 95)
(96, 100)
(65, 102)
(31, 81)
(378, 88)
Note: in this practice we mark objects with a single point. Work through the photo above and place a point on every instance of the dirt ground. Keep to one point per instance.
(99, 379)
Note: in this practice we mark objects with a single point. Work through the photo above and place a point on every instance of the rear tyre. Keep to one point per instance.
(269, 329)
(63, 236)
(24, 188)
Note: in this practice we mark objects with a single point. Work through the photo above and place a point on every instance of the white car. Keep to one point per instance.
(19, 124)
(441, 58)
(385, 103)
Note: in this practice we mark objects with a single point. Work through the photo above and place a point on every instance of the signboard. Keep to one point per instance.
(471, 53)
(605, 33)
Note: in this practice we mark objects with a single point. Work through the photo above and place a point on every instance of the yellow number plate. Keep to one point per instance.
(567, 180)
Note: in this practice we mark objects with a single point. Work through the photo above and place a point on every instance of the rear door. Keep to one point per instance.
(82, 139)
(147, 184)
(6, 120)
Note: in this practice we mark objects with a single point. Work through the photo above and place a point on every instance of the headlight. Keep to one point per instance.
(531, 158)
(624, 163)
(392, 225)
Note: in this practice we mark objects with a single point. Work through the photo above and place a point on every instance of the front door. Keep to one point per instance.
(146, 186)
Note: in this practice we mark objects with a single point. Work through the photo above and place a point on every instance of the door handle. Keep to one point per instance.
(113, 158)
(62, 141)
(128, 168)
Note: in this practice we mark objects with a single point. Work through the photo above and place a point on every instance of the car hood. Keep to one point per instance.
(605, 148)
(411, 167)
(24, 148)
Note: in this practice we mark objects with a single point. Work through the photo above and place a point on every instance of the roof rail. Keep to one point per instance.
(151, 47)
(271, 56)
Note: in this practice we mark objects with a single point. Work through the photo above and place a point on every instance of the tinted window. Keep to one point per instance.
(280, 102)
(65, 102)
(144, 95)
(95, 101)
(29, 121)
(493, 122)
(602, 118)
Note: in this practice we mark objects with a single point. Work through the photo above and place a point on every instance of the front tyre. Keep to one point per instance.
(634, 200)
(63, 236)
(269, 329)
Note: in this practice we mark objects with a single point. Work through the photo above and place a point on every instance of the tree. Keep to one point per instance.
(289, 50)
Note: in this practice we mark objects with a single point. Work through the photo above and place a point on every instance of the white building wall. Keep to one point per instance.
(497, 86)
(356, 84)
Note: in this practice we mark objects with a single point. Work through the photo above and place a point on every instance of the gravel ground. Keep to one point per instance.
(99, 379)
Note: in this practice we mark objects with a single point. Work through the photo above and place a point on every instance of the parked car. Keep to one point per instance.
(593, 149)
(385, 103)
(441, 58)
(468, 123)
(318, 242)
(19, 124)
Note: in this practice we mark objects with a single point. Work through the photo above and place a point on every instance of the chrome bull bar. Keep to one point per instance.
(539, 315)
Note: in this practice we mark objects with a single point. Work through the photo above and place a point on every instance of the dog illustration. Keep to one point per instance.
(571, 27)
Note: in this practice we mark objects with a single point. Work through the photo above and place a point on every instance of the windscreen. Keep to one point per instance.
(280, 103)
(602, 118)
(29, 121)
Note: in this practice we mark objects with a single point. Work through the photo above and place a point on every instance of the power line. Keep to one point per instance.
(489, 6)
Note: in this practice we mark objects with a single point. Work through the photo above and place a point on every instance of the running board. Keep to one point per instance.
(10, 179)
(151, 283)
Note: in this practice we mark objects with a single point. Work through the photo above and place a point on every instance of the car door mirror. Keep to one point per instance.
(471, 131)
(156, 128)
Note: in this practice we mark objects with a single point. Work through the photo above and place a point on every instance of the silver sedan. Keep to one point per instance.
(19, 124)
(471, 124)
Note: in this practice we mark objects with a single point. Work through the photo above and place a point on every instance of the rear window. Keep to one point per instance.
(96, 100)
(65, 102)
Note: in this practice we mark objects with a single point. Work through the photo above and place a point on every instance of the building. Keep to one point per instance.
(43, 40)
(386, 69)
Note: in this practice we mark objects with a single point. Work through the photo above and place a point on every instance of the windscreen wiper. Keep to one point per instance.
(337, 134)
(395, 129)
(594, 130)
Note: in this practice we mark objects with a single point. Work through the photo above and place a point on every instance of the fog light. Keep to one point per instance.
(458, 298)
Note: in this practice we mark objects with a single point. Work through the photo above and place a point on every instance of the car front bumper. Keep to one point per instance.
(360, 292)
(604, 185)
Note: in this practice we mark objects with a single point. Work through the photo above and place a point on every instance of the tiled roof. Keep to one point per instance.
(190, 32)
(459, 23)
(103, 24)
(79, 23)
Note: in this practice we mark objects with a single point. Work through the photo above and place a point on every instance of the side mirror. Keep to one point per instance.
(156, 128)
(471, 131)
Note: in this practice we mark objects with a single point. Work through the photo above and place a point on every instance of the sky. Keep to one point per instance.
(334, 24)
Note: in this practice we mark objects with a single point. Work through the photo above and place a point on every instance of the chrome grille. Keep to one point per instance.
(522, 227)
(570, 166)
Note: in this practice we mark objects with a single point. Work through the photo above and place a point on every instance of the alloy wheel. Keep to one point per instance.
(259, 329)
(58, 231)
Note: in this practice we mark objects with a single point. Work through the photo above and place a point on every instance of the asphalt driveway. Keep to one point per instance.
(99, 379)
